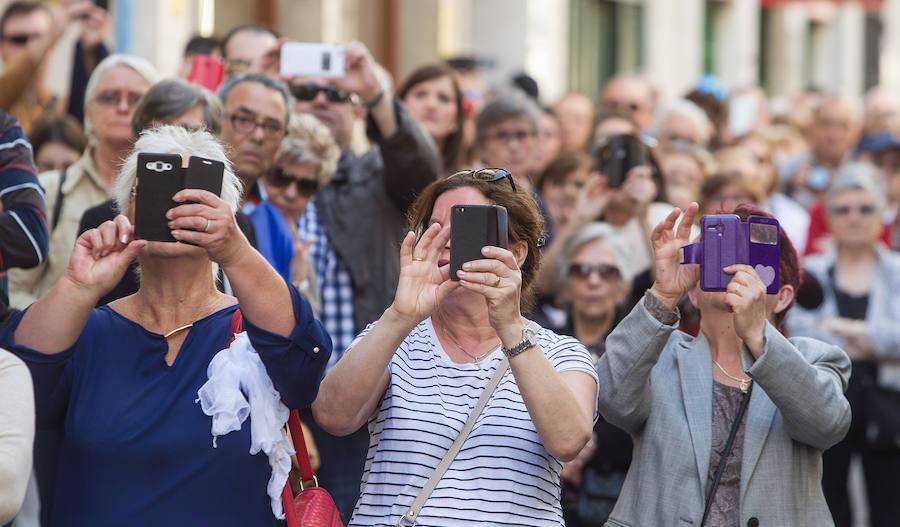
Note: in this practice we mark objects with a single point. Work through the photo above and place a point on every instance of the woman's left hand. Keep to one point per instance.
(498, 278)
(746, 296)
(208, 223)
(640, 187)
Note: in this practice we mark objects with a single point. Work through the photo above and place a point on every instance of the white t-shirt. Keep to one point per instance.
(502, 475)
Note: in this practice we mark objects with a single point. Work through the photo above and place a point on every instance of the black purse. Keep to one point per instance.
(883, 417)
(598, 494)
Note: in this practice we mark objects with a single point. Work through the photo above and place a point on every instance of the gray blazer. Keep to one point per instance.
(656, 384)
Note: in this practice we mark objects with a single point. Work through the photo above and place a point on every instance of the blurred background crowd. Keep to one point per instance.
(791, 105)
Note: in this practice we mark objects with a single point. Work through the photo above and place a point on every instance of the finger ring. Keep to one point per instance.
(418, 259)
(206, 229)
(497, 283)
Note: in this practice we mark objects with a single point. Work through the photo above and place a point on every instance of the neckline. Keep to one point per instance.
(442, 354)
(160, 335)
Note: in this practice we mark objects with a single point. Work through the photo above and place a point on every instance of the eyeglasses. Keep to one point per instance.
(233, 66)
(246, 125)
(621, 106)
(505, 136)
(488, 174)
(845, 210)
(582, 271)
(305, 187)
(309, 91)
(115, 98)
(21, 39)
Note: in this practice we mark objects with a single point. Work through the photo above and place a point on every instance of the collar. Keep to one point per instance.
(83, 167)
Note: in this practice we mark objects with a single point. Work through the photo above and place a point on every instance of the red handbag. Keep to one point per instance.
(313, 506)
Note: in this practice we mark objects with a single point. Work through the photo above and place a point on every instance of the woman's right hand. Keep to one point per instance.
(422, 285)
(102, 255)
(673, 279)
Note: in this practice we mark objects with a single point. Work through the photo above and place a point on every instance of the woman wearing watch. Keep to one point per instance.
(416, 374)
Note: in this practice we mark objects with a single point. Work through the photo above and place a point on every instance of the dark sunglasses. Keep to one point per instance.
(488, 174)
(305, 187)
(20, 40)
(308, 92)
(844, 210)
(582, 271)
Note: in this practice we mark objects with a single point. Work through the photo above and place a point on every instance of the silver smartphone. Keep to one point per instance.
(312, 59)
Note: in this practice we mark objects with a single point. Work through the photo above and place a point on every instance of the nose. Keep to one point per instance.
(123, 105)
(257, 134)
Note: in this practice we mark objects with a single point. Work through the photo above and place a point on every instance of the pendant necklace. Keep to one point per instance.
(745, 383)
(476, 358)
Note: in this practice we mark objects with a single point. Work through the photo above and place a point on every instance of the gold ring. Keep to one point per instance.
(418, 259)
(206, 229)
(497, 283)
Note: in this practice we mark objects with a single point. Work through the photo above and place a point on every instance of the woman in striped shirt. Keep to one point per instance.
(415, 376)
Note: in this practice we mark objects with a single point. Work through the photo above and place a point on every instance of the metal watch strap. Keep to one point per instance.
(450, 455)
(525, 343)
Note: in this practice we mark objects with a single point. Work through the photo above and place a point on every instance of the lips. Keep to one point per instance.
(442, 262)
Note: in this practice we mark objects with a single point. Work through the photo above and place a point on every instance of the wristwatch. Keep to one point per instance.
(529, 340)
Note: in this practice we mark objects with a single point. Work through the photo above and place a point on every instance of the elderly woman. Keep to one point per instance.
(507, 135)
(595, 282)
(416, 373)
(113, 91)
(305, 162)
(135, 443)
(860, 280)
(432, 95)
(777, 403)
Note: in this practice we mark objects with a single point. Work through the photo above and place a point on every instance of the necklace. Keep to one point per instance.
(745, 383)
(476, 358)
(176, 330)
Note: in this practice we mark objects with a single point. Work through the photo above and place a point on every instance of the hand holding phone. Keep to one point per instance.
(312, 59)
(206, 71)
(618, 155)
(473, 227)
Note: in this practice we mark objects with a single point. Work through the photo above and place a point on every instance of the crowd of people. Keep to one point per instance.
(605, 386)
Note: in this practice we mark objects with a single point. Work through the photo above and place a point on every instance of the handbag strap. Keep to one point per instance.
(451, 453)
(237, 322)
(724, 459)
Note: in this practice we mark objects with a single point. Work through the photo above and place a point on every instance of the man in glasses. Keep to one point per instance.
(28, 31)
(257, 109)
(358, 221)
(244, 46)
(631, 97)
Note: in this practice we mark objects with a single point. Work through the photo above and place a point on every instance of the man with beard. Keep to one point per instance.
(357, 222)
(257, 109)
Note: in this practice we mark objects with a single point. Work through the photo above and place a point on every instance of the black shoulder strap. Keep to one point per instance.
(57, 207)
(724, 459)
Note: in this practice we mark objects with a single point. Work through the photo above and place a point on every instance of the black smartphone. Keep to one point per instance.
(159, 177)
(205, 174)
(471, 228)
(103, 4)
(618, 155)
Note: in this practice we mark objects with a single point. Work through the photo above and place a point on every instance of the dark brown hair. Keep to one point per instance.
(453, 143)
(21, 8)
(562, 166)
(525, 222)
(62, 129)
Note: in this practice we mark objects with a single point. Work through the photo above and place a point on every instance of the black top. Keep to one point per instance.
(849, 306)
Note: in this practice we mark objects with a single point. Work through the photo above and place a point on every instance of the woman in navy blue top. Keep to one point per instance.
(121, 381)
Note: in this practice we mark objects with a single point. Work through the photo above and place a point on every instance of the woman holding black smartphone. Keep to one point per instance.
(121, 382)
(415, 376)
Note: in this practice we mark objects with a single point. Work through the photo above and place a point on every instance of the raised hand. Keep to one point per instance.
(362, 75)
(102, 255)
(591, 201)
(423, 284)
(673, 279)
(640, 187)
(208, 223)
(746, 296)
(498, 278)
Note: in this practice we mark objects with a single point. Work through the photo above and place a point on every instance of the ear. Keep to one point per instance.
(784, 298)
(692, 294)
(520, 251)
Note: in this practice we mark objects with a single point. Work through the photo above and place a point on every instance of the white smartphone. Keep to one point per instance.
(312, 59)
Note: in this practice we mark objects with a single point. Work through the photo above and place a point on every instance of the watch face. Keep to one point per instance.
(531, 331)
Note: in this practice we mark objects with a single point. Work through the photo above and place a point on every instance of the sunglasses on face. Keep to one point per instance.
(20, 39)
(582, 271)
(487, 174)
(308, 92)
(845, 210)
(305, 187)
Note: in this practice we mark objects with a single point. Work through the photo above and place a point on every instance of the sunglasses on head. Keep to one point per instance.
(488, 174)
(305, 187)
(309, 91)
(609, 273)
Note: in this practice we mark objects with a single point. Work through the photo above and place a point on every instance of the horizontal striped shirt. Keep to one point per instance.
(502, 475)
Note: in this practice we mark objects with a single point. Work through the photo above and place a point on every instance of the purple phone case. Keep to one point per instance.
(726, 240)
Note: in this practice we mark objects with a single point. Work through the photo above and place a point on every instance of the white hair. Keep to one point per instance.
(594, 231)
(138, 64)
(167, 139)
(858, 175)
(685, 109)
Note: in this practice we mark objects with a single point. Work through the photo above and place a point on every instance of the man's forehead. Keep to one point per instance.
(257, 97)
(248, 44)
(38, 16)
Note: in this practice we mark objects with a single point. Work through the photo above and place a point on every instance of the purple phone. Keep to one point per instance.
(726, 240)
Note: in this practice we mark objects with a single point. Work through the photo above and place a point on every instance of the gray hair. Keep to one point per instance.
(169, 99)
(510, 105)
(685, 109)
(309, 141)
(594, 231)
(176, 140)
(858, 175)
(140, 65)
(225, 89)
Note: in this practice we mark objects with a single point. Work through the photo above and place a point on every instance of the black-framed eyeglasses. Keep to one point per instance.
(309, 91)
(488, 174)
(115, 98)
(583, 271)
(305, 187)
(272, 129)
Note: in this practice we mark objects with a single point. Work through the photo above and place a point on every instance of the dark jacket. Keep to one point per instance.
(363, 209)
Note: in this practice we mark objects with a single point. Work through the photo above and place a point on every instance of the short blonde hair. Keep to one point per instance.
(309, 141)
(168, 139)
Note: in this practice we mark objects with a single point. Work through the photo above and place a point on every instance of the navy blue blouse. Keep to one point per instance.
(137, 448)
